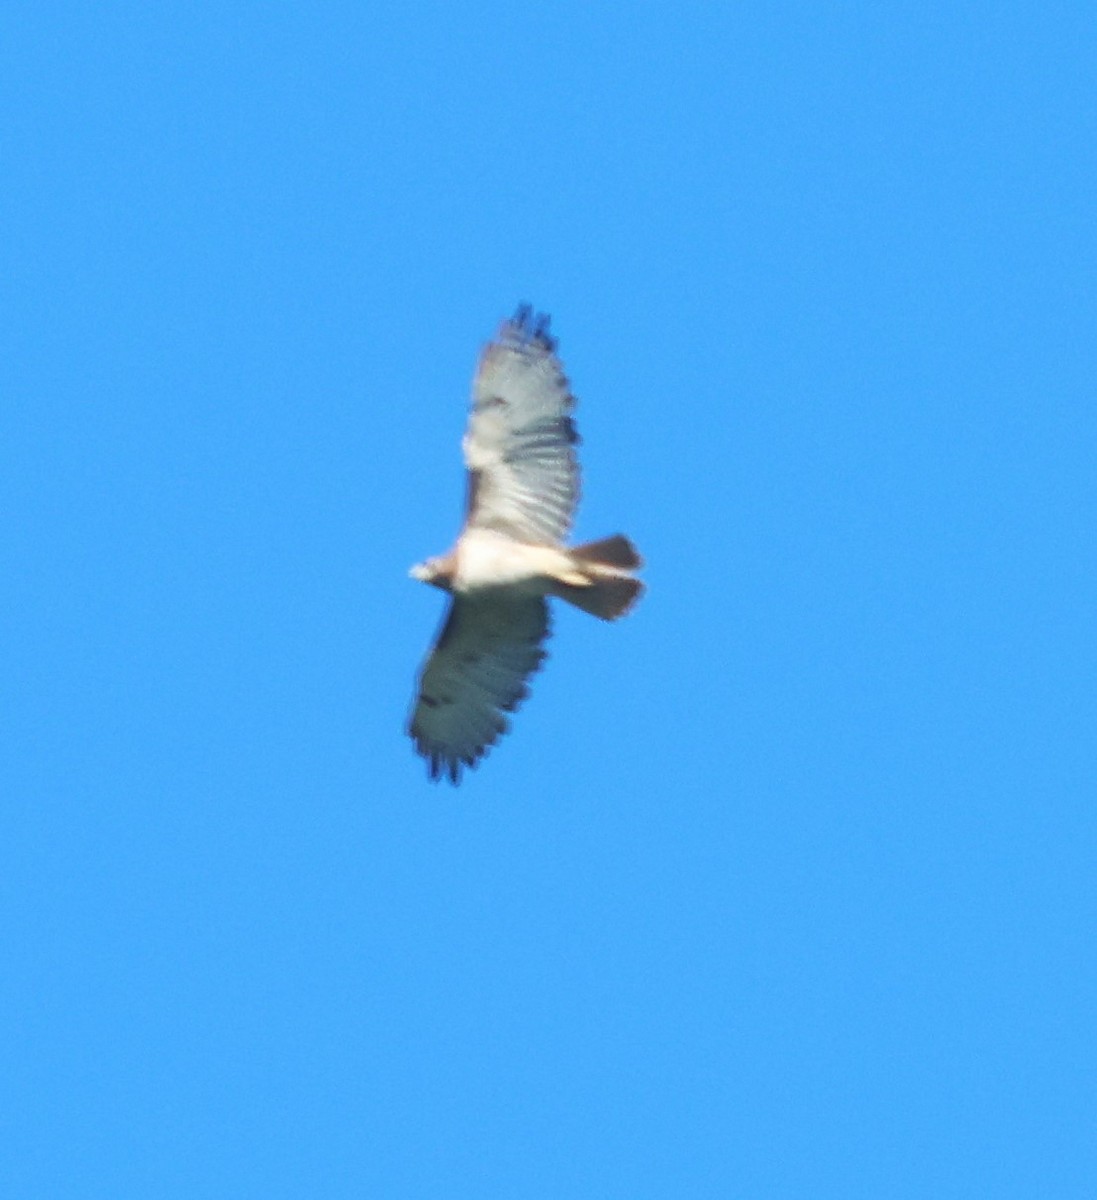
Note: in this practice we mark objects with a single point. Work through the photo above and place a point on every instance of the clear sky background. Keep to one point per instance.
(783, 887)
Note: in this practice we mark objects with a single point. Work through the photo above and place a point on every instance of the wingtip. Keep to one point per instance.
(529, 325)
(440, 767)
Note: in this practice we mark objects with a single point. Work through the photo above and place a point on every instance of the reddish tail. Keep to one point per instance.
(609, 598)
(610, 590)
(616, 551)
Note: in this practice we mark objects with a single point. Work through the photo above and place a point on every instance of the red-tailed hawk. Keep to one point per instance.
(523, 485)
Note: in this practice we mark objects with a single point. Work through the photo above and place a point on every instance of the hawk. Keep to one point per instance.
(523, 486)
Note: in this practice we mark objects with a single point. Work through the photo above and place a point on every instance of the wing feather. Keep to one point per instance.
(490, 644)
(520, 442)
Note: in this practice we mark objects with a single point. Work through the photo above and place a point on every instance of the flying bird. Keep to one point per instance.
(523, 486)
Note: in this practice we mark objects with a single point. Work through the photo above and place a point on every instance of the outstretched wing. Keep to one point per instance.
(489, 646)
(520, 442)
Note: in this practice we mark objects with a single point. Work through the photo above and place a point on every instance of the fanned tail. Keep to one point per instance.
(609, 598)
(615, 551)
(601, 582)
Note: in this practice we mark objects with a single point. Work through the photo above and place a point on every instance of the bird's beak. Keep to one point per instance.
(419, 571)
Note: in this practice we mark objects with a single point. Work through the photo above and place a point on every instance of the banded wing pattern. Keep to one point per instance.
(520, 442)
(490, 644)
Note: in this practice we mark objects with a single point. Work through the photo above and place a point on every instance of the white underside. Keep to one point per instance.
(488, 559)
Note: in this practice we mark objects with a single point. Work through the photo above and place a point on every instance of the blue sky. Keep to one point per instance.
(782, 887)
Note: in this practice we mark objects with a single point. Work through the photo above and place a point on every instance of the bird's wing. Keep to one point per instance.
(489, 646)
(520, 442)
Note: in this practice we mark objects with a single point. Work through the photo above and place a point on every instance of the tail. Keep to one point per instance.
(607, 589)
(616, 551)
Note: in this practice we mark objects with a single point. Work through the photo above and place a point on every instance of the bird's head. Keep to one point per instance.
(434, 570)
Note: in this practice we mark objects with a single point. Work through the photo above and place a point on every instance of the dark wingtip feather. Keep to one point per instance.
(533, 326)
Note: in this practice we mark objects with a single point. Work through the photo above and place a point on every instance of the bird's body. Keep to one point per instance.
(486, 559)
(510, 557)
